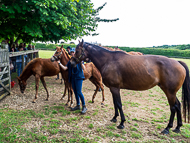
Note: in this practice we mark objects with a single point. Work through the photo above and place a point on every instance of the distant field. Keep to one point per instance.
(187, 61)
(45, 54)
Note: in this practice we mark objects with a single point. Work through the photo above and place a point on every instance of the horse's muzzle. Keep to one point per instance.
(54, 58)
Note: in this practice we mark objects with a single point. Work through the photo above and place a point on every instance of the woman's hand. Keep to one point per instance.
(62, 66)
(82, 65)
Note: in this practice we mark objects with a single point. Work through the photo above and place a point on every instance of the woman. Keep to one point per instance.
(76, 77)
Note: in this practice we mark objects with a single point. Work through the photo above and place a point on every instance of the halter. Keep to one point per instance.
(82, 54)
(57, 57)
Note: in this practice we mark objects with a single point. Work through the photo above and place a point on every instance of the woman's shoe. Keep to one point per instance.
(75, 108)
(84, 109)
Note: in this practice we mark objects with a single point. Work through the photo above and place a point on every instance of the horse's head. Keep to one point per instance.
(22, 84)
(80, 53)
(57, 54)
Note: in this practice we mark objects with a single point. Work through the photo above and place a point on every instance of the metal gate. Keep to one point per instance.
(4, 73)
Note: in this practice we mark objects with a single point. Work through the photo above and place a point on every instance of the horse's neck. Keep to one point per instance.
(64, 58)
(98, 57)
(25, 74)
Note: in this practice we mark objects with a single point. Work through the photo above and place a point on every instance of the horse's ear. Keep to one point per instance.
(61, 46)
(81, 43)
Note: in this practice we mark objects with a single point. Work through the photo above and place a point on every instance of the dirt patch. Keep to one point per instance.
(147, 114)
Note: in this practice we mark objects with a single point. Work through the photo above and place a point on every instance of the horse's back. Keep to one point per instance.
(44, 67)
(143, 72)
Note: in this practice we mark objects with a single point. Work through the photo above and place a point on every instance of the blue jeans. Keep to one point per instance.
(77, 87)
(19, 68)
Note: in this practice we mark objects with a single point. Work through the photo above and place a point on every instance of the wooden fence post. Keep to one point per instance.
(4, 73)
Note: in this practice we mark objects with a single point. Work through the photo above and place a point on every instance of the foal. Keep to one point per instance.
(39, 68)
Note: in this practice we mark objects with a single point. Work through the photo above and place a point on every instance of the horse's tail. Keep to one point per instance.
(186, 93)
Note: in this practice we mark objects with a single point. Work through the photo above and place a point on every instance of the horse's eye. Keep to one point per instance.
(77, 52)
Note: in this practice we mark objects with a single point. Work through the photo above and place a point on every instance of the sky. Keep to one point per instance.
(143, 23)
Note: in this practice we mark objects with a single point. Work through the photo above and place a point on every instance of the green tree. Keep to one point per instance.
(48, 20)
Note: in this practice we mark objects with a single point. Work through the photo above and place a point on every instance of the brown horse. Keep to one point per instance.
(130, 53)
(90, 72)
(124, 71)
(39, 68)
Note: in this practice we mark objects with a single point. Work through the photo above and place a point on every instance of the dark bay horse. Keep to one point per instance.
(90, 72)
(39, 68)
(123, 71)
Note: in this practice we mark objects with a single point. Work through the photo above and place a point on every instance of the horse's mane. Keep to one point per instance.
(29, 65)
(69, 56)
(96, 46)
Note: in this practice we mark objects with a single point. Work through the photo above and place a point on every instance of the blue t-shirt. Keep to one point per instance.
(75, 72)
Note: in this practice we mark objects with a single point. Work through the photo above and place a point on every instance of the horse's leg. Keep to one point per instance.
(118, 105)
(37, 79)
(71, 94)
(97, 87)
(44, 84)
(179, 118)
(103, 97)
(64, 92)
(68, 89)
(172, 101)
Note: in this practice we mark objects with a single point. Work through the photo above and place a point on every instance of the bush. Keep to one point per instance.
(51, 46)
(160, 51)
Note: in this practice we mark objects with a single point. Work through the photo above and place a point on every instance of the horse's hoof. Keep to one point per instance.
(47, 99)
(66, 104)
(113, 120)
(120, 127)
(102, 103)
(92, 101)
(61, 99)
(33, 101)
(165, 132)
(176, 131)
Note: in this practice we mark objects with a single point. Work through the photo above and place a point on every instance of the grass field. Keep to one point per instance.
(46, 54)
(147, 114)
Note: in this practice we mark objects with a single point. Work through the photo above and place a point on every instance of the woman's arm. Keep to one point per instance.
(62, 66)
(82, 65)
